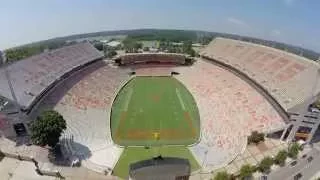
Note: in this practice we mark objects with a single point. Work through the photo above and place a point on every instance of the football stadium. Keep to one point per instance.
(138, 106)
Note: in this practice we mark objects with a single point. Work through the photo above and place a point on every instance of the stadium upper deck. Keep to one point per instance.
(31, 77)
(133, 58)
(289, 78)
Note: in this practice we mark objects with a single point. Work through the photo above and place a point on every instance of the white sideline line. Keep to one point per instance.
(128, 99)
(180, 99)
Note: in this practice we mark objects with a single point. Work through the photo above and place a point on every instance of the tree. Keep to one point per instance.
(189, 61)
(206, 40)
(255, 137)
(192, 52)
(99, 46)
(111, 53)
(137, 45)
(187, 45)
(246, 171)
(172, 49)
(223, 175)
(187, 48)
(47, 128)
(25, 51)
(265, 164)
(281, 157)
(146, 49)
(162, 45)
(131, 45)
(293, 150)
(128, 44)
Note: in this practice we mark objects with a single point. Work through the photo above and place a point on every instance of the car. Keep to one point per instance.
(75, 162)
(313, 109)
(293, 163)
(304, 156)
(309, 159)
(264, 177)
(297, 176)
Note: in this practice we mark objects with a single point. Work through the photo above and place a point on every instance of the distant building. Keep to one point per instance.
(177, 43)
(153, 50)
(113, 44)
(104, 41)
(197, 45)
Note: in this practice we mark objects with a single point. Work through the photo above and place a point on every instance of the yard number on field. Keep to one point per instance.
(156, 135)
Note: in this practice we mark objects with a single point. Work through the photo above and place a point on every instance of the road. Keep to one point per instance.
(307, 169)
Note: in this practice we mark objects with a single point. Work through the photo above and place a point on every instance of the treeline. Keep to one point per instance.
(204, 38)
(21, 53)
(147, 34)
(164, 35)
(201, 37)
(185, 48)
(26, 51)
(131, 45)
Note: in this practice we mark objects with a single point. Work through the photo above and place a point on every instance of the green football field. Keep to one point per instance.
(151, 111)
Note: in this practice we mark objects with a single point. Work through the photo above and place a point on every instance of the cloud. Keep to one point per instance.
(236, 21)
(275, 32)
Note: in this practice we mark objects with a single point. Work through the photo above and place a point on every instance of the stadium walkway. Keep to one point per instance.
(17, 169)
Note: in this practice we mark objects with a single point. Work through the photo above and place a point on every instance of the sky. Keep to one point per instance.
(295, 22)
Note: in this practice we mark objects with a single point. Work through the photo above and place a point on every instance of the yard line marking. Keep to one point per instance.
(129, 95)
(180, 99)
(123, 116)
(189, 122)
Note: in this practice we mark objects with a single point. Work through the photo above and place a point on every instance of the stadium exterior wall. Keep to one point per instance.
(282, 112)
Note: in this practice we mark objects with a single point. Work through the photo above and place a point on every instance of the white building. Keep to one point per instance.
(114, 43)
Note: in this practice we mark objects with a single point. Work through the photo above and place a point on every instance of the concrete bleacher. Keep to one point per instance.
(289, 78)
(85, 101)
(230, 109)
(33, 76)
